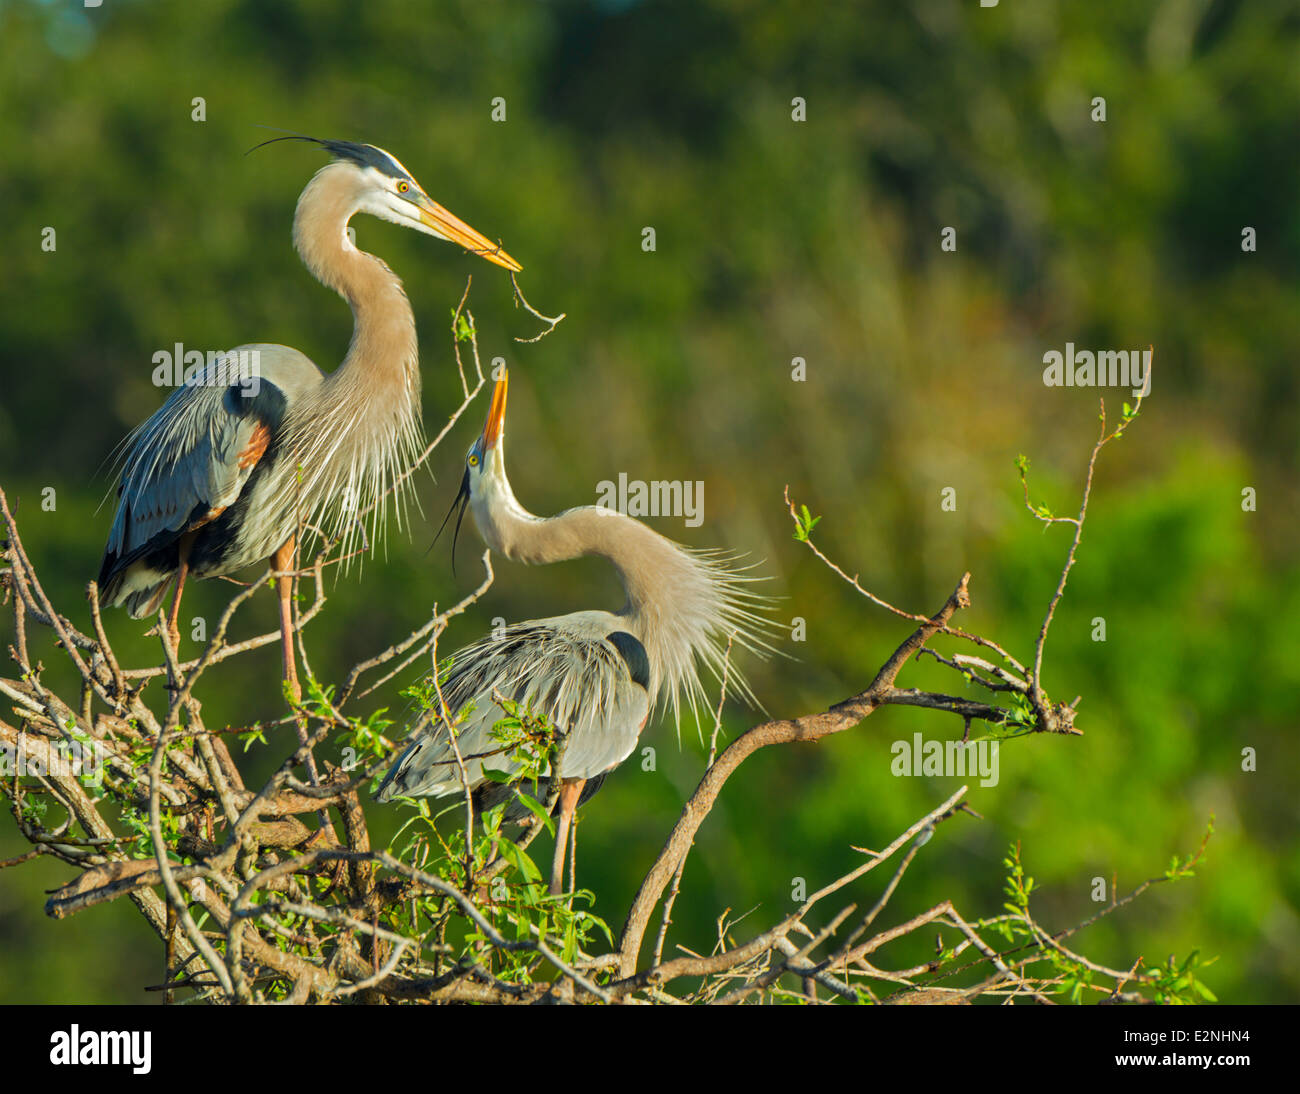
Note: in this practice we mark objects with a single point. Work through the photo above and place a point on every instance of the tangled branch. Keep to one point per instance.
(276, 893)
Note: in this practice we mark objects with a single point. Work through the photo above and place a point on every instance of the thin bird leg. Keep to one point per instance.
(183, 554)
(573, 851)
(570, 792)
(283, 562)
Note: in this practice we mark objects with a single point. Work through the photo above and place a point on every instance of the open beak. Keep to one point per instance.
(458, 507)
(496, 413)
(491, 436)
(439, 220)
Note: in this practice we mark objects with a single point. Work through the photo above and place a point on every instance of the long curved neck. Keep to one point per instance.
(383, 335)
(680, 604)
(359, 430)
(646, 561)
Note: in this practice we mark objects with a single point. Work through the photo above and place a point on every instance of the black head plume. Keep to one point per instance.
(363, 155)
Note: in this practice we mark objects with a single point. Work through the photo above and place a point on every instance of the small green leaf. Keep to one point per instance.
(537, 811)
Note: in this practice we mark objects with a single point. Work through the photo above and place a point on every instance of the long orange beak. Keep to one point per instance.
(496, 418)
(451, 227)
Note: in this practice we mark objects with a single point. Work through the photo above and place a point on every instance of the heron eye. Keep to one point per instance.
(402, 187)
(473, 461)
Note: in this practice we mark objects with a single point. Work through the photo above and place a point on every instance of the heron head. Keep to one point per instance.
(484, 484)
(381, 186)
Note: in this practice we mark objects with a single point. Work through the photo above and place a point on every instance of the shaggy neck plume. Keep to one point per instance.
(683, 605)
(364, 417)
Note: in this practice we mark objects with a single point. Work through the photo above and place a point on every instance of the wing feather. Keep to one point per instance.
(189, 461)
(580, 681)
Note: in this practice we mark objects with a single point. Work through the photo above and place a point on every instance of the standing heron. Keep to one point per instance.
(261, 442)
(597, 676)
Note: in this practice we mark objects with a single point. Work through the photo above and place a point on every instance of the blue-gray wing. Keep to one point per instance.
(591, 686)
(191, 459)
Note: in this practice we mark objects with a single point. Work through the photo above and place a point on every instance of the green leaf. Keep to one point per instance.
(537, 810)
(521, 862)
(804, 523)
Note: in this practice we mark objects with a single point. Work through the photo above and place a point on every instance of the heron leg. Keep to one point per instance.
(570, 792)
(283, 562)
(183, 555)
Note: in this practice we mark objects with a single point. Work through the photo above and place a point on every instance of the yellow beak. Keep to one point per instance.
(496, 413)
(451, 227)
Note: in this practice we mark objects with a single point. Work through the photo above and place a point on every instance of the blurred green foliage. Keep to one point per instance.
(775, 240)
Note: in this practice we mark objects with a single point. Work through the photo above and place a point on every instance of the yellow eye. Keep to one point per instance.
(473, 461)
(402, 187)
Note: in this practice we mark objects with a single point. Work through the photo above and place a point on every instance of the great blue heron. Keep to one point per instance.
(260, 441)
(596, 675)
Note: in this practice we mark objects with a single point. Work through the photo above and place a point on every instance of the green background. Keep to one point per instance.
(775, 240)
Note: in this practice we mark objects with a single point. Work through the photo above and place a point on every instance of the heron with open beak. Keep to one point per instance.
(596, 676)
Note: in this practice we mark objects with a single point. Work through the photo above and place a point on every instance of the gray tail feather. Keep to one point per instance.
(146, 602)
(140, 600)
